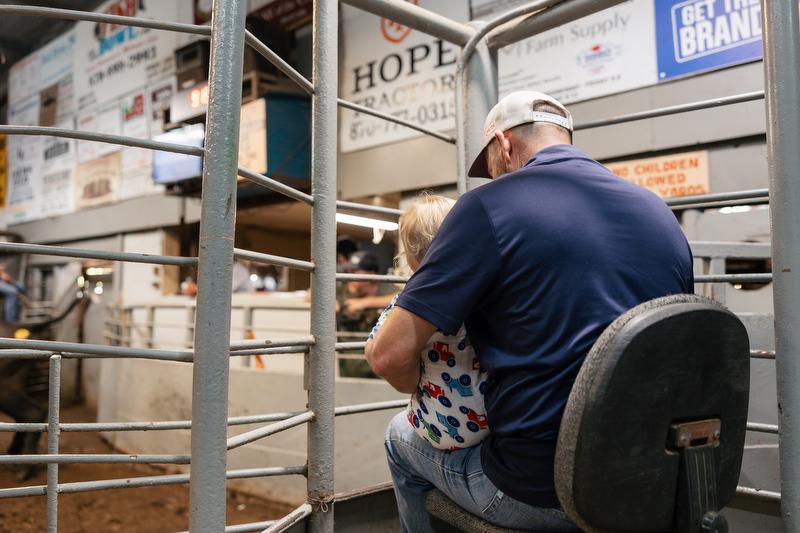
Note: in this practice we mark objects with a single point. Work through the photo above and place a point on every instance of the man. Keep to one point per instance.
(358, 306)
(536, 264)
(12, 292)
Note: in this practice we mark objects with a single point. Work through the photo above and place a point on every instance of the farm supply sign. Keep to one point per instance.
(112, 59)
(699, 35)
(396, 70)
(669, 176)
(604, 53)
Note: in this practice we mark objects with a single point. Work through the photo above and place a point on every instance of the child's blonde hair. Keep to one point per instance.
(419, 224)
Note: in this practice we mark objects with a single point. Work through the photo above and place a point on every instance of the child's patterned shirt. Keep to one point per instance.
(447, 409)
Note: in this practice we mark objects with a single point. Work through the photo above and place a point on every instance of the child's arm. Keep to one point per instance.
(382, 318)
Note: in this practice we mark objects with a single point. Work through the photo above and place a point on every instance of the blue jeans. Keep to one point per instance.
(417, 468)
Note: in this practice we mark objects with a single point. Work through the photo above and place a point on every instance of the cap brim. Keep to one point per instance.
(479, 168)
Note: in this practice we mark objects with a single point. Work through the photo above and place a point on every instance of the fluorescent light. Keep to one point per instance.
(365, 222)
(735, 209)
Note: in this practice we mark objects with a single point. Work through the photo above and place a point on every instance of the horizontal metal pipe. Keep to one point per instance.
(277, 62)
(733, 278)
(366, 208)
(275, 185)
(143, 426)
(673, 110)
(738, 250)
(763, 428)
(556, 15)
(762, 354)
(84, 458)
(72, 349)
(759, 494)
(145, 481)
(246, 528)
(350, 346)
(24, 354)
(63, 251)
(718, 205)
(369, 111)
(418, 18)
(290, 519)
(187, 424)
(260, 433)
(307, 340)
(371, 277)
(752, 194)
(70, 14)
(368, 407)
(267, 259)
(101, 138)
(283, 350)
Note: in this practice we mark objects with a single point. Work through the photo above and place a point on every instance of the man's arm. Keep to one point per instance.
(394, 352)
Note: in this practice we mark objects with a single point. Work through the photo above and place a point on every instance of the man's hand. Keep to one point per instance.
(354, 305)
(394, 352)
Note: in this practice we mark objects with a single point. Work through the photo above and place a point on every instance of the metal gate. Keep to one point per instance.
(476, 92)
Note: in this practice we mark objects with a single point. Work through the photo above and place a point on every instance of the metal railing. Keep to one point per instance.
(476, 93)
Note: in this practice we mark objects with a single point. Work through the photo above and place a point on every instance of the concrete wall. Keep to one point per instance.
(155, 390)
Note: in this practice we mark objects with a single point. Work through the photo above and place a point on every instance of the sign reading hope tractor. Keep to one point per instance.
(668, 176)
(396, 70)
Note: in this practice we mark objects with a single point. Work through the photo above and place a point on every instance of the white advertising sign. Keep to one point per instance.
(109, 57)
(56, 59)
(605, 53)
(24, 164)
(23, 79)
(106, 119)
(137, 163)
(399, 71)
(57, 186)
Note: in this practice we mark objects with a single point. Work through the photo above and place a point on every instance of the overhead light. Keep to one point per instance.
(365, 222)
(736, 209)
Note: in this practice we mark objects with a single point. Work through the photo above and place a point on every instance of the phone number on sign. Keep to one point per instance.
(425, 114)
(132, 61)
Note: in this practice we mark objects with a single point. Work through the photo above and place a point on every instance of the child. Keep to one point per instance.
(447, 409)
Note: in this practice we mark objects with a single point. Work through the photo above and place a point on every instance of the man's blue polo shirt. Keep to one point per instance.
(536, 264)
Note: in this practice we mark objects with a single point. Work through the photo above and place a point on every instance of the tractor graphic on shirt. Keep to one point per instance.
(440, 350)
(433, 432)
(451, 425)
(476, 422)
(461, 385)
(435, 392)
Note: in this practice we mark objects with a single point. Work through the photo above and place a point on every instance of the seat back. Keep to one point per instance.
(668, 377)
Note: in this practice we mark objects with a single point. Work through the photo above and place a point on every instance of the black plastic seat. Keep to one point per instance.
(653, 433)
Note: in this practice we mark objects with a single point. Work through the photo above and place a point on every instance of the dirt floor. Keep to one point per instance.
(144, 510)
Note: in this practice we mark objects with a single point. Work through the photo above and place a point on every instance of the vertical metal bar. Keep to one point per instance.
(215, 267)
(151, 325)
(190, 318)
(320, 378)
(717, 290)
(782, 72)
(476, 93)
(53, 435)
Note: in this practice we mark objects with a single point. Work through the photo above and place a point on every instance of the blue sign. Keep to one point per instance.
(698, 35)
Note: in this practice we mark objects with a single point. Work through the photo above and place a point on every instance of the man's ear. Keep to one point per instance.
(503, 141)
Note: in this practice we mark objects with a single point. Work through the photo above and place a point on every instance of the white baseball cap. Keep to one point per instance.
(511, 111)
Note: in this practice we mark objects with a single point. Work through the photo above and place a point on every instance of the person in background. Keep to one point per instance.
(11, 291)
(345, 247)
(358, 306)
